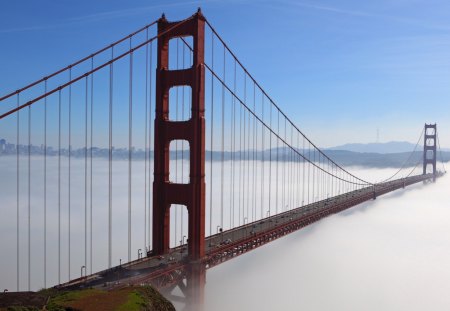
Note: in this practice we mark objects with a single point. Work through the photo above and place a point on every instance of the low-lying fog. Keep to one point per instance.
(389, 254)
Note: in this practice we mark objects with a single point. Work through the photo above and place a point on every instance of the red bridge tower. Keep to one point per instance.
(166, 193)
(429, 148)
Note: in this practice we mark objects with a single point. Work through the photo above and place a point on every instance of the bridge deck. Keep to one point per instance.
(163, 271)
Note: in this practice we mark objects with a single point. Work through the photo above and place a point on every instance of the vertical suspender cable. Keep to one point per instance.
(314, 177)
(90, 151)
(59, 186)
(69, 176)
(130, 143)
(289, 173)
(150, 144)
(29, 198)
(240, 167)
(335, 193)
(270, 161)
(45, 186)
(86, 173)
(232, 151)
(291, 161)
(18, 193)
(262, 158)
(145, 142)
(182, 146)
(326, 179)
(277, 202)
(246, 194)
(296, 172)
(303, 172)
(248, 151)
(176, 150)
(296, 168)
(309, 170)
(284, 168)
(319, 178)
(289, 180)
(293, 169)
(233, 148)
(336, 181)
(223, 143)
(254, 166)
(111, 76)
(211, 138)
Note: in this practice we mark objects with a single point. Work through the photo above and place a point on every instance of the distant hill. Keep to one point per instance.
(391, 154)
(389, 147)
(342, 157)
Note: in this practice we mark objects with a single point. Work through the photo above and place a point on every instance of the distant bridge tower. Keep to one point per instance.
(429, 148)
(166, 193)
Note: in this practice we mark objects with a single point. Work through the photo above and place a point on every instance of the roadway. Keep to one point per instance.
(163, 271)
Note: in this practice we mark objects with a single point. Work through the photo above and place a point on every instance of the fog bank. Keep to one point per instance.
(389, 254)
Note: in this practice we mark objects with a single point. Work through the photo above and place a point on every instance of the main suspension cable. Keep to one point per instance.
(407, 160)
(277, 135)
(90, 72)
(272, 102)
(78, 62)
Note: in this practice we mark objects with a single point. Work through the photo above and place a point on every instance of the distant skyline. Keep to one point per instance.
(339, 70)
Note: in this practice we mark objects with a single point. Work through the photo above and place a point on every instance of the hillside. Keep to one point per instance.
(127, 299)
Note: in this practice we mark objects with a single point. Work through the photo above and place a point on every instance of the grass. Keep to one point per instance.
(135, 302)
(59, 301)
(125, 299)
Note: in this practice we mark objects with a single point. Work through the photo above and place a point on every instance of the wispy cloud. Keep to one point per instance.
(330, 9)
(358, 13)
(107, 15)
(135, 11)
(30, 28)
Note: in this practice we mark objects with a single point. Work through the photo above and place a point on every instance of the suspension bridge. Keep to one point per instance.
(161, 156)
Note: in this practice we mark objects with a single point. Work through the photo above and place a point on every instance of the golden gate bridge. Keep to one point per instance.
(222, 169)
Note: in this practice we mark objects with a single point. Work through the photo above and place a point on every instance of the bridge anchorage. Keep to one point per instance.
(253, 175)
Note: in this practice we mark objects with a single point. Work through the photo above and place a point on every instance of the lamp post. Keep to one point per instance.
(219, 229)
(118, 271)
(182, 243)
(82, 267)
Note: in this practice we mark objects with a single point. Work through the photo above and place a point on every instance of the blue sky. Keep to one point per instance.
(339, 69)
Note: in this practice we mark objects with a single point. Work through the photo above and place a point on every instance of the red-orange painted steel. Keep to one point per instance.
(192, 195)
(429, 148)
